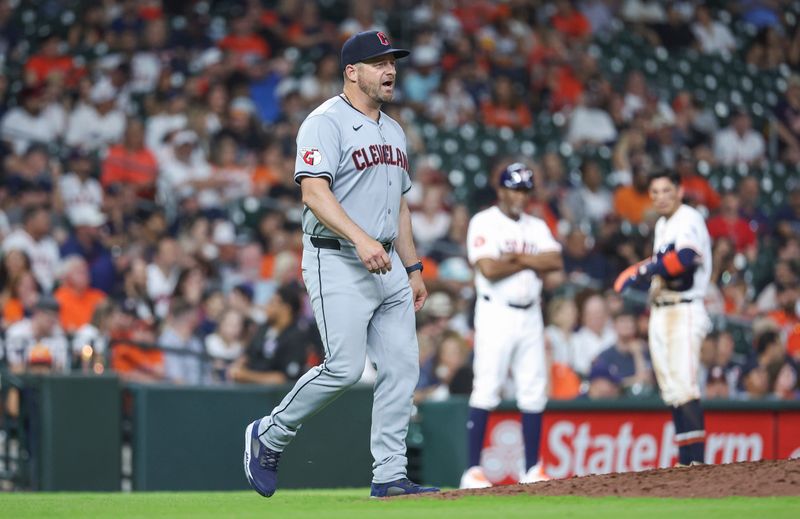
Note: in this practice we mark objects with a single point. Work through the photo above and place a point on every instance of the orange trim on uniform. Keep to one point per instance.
(690, 441)
(673, 264)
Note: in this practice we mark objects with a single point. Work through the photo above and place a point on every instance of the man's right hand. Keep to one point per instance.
(373, 256)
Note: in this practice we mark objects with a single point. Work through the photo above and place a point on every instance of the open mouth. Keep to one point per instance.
(388, 84)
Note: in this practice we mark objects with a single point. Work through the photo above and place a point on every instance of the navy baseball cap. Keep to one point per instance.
(516, 176)
(366, 45)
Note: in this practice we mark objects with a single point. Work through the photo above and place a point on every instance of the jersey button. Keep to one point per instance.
(390, 211)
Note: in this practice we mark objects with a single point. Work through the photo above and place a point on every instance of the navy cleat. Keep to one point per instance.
(260, 462)
(401, 487)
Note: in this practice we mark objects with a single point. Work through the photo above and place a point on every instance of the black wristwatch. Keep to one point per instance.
(414, 267)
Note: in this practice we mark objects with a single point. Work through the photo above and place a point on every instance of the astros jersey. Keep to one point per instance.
(491, 234)
(365, 162)
(686, 228)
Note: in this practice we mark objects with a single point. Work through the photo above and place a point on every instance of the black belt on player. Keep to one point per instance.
(670, 303)
(334, 244)
(513, 305)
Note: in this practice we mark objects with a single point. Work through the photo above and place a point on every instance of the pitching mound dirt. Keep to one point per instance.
(756, 479)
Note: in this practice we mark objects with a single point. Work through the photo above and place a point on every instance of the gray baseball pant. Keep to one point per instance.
(357, 313)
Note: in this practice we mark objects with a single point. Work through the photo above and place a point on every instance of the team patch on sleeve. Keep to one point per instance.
(310, 156)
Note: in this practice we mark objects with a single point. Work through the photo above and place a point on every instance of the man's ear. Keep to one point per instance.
(351, 73)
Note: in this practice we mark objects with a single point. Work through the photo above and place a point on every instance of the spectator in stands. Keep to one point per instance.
(447, 372)
(505, 108)
(278, 351)
(76, 298)
(451, 106)
(604, 383)
(767, 51)
(787, 121)
(674, 34)
(35, 240)
(629, 356)
(191, 285)
(182, 362)
(582, 264)
(34, 120)
(562, 316)
(228, 168)
(169, 118)
(787, 217)
(243, 45)
(431, 221)
(787, 273)
(86, 241)
(716, 386)
(225, 345)
(130, 165)
(162, 275)
(51, 64)
(453, 244)
(38, 339)
(591, 202)
(751, 207)
(787, 318)
(753, 382)
(786, 382)
(78, 186)
(739, 143)
(326, 81)
(594, 336)
(571, 22)
(589, 123)
(696, 189)
(186, 175)
(729, 223)
(633, 202)
(99, 124)
(424, 79)
(712, 36)
(20, 298)
(95, 335)
(132, 341)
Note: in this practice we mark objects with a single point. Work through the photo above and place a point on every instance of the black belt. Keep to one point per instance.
(334, 244)
(670, 303)
(513, 305)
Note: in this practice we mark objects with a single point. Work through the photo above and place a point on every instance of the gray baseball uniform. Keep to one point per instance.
(357, 312)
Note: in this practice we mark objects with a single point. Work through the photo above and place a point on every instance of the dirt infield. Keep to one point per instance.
(756, 479)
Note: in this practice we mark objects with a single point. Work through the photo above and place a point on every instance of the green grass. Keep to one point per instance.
(353, 504)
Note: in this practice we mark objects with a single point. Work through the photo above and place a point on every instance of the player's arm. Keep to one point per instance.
(404, 244)
(542, 263)
(319, 198)
(668, 265)
(495, 269)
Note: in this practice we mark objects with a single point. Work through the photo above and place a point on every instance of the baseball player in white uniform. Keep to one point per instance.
(678, 275)
(360, 268)
(510, 250)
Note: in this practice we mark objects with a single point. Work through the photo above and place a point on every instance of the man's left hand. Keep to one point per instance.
(418, 290)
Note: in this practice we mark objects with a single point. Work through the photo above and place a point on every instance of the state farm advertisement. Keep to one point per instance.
(577, 443)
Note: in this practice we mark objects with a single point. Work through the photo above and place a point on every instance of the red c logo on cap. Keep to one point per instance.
(383, 38)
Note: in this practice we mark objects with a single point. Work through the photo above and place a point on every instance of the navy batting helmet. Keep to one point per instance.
(517, 176)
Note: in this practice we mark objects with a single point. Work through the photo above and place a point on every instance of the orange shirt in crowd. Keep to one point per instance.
(697, 188)
(630, 204)
(264, 178)
(40, 68)
(500, 116)
(575, 25)
(564, 383)
(13, 311)
(252, 45)
(127, 358)
(791, 325)
(76, 309)
(138, 168)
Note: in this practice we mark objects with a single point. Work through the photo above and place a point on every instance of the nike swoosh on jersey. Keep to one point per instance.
(356, 128)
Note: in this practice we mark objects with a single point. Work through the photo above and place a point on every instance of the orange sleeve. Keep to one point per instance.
(673, 264)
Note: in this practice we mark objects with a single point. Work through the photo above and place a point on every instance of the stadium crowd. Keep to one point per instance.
(147, 195)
